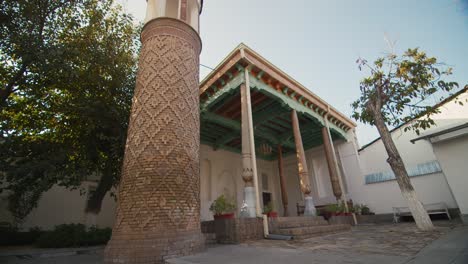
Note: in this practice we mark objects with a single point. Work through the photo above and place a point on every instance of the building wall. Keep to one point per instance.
(62, 206)
(430, 188)
(220, 173)
(453, 156)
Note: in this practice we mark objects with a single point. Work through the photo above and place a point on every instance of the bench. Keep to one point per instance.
(431, 209)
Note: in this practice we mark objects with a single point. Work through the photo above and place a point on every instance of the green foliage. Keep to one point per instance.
(67, 74)
(11, 236)
(222, 205)
(361, 209)
(333, 208)
(268, 208)
(73, 235)
(365, 210)
(398, 87)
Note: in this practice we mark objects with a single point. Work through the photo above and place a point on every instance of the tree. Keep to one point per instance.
(67, 79)
(394, 94)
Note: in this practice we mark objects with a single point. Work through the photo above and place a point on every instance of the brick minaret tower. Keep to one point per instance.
(158, 213)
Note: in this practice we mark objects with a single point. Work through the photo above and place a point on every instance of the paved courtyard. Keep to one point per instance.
(380, 244)
(393, 240)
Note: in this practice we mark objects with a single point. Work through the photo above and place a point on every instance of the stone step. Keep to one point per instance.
(311, 231)
(303, 223)
(298, 218)
(210, 238)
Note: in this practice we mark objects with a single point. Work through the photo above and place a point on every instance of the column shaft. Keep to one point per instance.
(284, 194)
(248, 207)
(332, 163)
(302, 167)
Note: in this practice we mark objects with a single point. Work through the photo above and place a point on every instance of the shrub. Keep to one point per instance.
(222, 206)
(268, 208)
(10, 236)
(365, 210)
(73, 235)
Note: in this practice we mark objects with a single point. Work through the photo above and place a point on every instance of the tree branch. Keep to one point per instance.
(5, 93)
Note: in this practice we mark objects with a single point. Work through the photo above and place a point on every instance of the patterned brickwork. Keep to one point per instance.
(158, 214)
(238, 230)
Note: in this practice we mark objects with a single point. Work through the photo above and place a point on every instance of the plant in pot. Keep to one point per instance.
(365, 210)
(223, 208)
(268, 210)
(331, 210)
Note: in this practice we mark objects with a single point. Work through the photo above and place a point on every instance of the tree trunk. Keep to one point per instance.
(398, 167)
(94, 202)
(6, 91)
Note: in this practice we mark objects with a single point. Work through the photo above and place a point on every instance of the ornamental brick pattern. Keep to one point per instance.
(158, 214)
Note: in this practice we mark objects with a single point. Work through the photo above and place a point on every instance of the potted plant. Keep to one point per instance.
(330, 210)
(268, 210)
(222, 208)
(365, 210)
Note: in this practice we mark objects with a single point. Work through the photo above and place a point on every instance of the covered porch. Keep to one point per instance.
(260, 128)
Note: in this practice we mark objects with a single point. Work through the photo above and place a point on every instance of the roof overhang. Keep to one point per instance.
(266, 73)
(443, 134)
(274, 94)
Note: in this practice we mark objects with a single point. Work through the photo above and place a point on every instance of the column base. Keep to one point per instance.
(248, 206)
(152, 247)
(309, 207)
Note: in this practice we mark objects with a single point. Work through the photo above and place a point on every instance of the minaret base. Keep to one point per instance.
(152, 248)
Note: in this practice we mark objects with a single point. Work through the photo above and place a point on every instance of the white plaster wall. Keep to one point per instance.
(319, 177)
(351, 167)
(220, 173)
(381, 197)
(61, 206)
(222, 170)
(453, 157)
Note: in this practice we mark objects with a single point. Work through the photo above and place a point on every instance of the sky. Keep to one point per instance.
(318, 42)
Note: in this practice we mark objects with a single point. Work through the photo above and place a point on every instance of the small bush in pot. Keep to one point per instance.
(268, 210)
(222, 208)
(365, 210)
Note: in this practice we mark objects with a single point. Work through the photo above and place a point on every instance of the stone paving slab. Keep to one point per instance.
(391, 243)
(382, 244)
(392, 239)
(245, 254)
(451, 248)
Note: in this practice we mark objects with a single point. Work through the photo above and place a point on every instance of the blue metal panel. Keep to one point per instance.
(413, 171)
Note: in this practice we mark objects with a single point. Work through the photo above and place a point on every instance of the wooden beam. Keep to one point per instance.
(217, 119)
(227, 89)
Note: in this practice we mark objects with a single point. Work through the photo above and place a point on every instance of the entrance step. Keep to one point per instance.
(210, 238)
(301, 227)
(291, 222)
(313, 231)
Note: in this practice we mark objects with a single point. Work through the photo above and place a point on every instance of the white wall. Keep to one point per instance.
(453, 157)
(220, 173)
(61, 206)
(222, 170)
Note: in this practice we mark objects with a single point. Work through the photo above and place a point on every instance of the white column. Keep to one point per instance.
(248, 206)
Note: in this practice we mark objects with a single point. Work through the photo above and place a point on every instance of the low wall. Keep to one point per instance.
(238, 230)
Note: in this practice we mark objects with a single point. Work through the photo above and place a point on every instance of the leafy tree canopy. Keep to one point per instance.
(67, 73)
(394, 94)
(398, 88)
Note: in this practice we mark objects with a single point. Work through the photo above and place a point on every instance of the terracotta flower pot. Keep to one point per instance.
(272, 214)
(224, 216)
